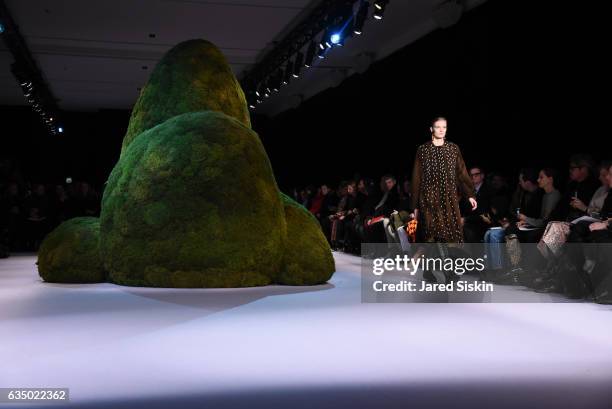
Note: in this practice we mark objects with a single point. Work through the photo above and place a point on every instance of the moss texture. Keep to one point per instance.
(192, 76)
(193, 203)
(307, 257)
(71, 253)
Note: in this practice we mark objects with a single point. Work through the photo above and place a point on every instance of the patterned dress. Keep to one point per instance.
(438, 176)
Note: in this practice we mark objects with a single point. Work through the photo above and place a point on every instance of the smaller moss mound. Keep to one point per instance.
(308, 258)
(71, 253)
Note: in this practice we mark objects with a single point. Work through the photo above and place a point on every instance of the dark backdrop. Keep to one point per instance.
(495, 75)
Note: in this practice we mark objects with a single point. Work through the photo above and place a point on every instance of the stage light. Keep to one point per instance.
(277, 80)
(361, 17)
(310, 54)
(251, 105)
(1, 28)
(261, 91)
(335, 38)
(288, 72)
(321, 53)
(379, 8)
(60, 129)
(297, 66)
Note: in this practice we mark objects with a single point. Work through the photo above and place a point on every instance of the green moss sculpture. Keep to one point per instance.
(71, 253)
(193, 76)
(193, 203)
(307, 258)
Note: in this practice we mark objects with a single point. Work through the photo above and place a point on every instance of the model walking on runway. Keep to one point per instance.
(439, 173)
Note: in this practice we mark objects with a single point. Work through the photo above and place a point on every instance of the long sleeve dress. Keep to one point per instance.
(439, 173)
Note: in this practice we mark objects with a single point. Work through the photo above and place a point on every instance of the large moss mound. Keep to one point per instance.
(307, 259)
(71, 253)
(192, 76)
(193, 203)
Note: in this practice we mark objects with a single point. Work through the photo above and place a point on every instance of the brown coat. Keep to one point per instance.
(439, 173)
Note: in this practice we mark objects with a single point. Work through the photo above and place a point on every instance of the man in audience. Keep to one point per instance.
(474, 224)
(581, 187)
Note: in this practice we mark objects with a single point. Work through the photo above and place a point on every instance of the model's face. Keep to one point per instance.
(350, 189)
(543, 180)
(324, 190)
(477, 176)
(438, 130)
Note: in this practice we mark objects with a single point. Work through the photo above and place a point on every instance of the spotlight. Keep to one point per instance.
(1, 28)
(297, 66)
(321, 53)
(379, 8)
(251, 105)
(261, 91)
(335, 38)
(60, 129)
(288, 72)
(310, 54)
(361, 17)
(277, 80)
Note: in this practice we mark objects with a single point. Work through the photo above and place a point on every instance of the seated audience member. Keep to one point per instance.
(526, 201)
(558, 232)
(355, 200)
(329, 206)
(474, 225)
(578, 263)
(316, 203)
(377, 229)
(401, 217)
(337, 232)
(596, 203)
(14, 206)
(36, 217)
(550, 201)
(61, 205)
(304, 198)
(86, 200)
(366, 211)
(580, 188)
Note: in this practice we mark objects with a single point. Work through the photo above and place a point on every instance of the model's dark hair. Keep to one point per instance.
(436, 119)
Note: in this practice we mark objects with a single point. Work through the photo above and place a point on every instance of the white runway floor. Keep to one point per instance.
(288, 347)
